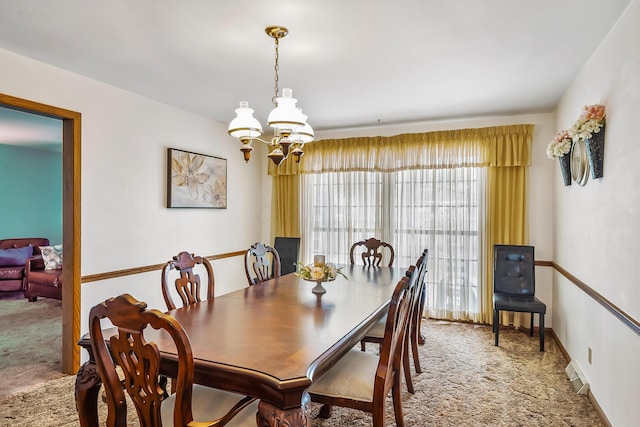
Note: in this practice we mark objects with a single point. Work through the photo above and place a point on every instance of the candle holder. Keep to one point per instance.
(318, 261)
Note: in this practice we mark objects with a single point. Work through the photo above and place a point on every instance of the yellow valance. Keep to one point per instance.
(481, 147)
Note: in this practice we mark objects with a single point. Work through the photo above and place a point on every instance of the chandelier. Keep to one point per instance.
(290, 128)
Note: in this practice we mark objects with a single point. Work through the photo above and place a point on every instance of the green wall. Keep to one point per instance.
(30, 193)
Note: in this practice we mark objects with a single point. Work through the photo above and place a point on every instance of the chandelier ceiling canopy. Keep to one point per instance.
(290, 128)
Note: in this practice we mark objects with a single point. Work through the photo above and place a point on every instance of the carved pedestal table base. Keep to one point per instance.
(87, 388)
(270, 416)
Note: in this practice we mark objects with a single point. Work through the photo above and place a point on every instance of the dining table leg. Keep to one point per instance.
(272, 416)
(87, 389)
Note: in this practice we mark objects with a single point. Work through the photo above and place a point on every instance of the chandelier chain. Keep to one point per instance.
(276, 67)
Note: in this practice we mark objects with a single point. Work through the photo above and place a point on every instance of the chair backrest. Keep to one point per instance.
(421, 266)
(261, 263)
(188, 284)
(514, 270)
(424, 257)
(288, 249)
(372, 254)
(139, 361)
(396, 331)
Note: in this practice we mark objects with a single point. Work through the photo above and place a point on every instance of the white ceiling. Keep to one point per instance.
(350, 63)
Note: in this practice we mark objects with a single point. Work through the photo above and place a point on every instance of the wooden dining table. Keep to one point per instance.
(270, 341)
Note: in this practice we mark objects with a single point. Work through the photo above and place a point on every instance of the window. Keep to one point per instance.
(438, 209)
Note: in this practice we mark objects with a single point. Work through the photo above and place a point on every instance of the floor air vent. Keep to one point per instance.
(578, 381)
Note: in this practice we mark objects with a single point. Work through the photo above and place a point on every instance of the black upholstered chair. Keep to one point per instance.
(514, 286)
(289, 250)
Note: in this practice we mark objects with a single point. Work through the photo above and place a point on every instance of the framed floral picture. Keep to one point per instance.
(196, 180)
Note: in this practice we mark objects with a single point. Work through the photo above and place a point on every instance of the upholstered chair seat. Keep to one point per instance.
(377, 330)
(203, 409)
(351, 378)
(521, 303)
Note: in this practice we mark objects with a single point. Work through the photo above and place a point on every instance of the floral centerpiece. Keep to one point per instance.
(591, 120)
(322, 273)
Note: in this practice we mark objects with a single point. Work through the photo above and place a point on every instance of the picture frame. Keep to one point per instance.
(196, 180)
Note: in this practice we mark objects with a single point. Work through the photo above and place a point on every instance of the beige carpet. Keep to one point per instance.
(466, 382)
(30, 343)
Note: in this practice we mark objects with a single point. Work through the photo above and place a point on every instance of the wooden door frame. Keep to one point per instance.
(71, 279)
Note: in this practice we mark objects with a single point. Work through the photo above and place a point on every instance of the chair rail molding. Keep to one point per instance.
(620, 314)
(147, 268)
(623, 316)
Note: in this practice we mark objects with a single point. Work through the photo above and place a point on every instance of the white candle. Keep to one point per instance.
(318, 261)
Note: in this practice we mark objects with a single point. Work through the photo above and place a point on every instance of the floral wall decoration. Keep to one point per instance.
(590, 128)
(196, 180)
(583, 142)
(559, 148)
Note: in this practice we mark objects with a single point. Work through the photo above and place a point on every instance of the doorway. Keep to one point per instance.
(71, 127)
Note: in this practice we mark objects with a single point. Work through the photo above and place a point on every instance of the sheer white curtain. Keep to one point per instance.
(440, 209)
(437, 209)
(338, 209)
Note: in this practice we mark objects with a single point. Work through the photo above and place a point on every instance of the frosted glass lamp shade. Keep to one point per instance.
(303, 133)
(285, 117)
(245, 126)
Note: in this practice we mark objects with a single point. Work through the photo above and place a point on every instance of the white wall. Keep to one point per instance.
(541, 179)
(125, 223)
(597, 228)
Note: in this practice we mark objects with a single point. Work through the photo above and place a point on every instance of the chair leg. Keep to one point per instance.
(541, 331)
(397, 407)
(414, 348)
(407, 367)
(421, 338)
(531, 329)
(496, 324)
(414, 328)
(363, 346)
(325, 411)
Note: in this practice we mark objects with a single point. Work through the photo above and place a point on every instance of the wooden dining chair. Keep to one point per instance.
(372, 256)
(416, 337)
(139, 363)
(261, 263)
(188, 283)
(373, 252)
(362, 380)
(376, 333)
